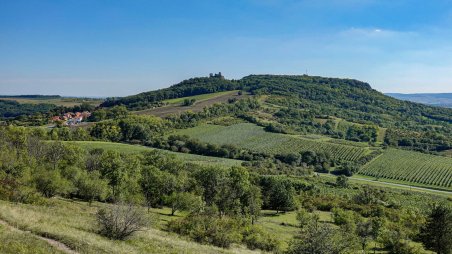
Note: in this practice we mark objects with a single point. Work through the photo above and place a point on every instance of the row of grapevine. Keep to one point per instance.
(411, 166)
(253, 137)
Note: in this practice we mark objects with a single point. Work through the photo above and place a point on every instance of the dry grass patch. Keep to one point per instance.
(73, 223)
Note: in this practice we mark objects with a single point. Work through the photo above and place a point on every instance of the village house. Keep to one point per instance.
(71, 118)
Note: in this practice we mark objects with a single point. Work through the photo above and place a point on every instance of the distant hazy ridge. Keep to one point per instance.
(435, 99)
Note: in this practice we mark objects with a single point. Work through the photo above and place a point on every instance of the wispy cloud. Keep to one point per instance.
(376, 32)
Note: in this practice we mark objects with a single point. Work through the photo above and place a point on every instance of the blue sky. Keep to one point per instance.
(117, 48)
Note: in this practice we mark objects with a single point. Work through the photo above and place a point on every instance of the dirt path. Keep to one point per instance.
(58, 245)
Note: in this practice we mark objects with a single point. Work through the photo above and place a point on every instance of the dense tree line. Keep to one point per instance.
(129, 128)
(428, 141)
(296, 163)
(185, 144)
(10, 109)
(84, 106)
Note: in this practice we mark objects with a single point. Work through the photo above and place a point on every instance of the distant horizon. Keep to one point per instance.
(151, 89)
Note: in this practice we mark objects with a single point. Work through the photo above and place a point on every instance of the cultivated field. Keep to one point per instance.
(66, 102)
(202, 101)
(253, 137)
(413, 167)
(125, 148)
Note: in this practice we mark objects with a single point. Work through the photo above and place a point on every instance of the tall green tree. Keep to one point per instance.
(183, 201)
(436, 234)
(282, 195)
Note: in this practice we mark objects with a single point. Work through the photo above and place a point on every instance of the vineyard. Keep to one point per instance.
(253, 137)
(408, 166)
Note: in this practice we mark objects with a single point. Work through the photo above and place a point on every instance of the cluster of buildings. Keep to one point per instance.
(71, 118)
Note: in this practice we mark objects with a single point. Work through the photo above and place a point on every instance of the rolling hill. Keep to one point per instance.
(347, 98)
(347, 118)
(297, 102)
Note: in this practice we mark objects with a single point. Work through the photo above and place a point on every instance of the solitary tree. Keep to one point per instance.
(54, 153)
(364, 231)
(318, 238)
(282, 196)
(254, 203)
(183, 201)
(436, 234)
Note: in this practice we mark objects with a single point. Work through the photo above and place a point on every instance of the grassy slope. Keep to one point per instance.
(253, 137)
(414, 167)
(14, 241)
(202, 101)
(78, 230)
(200, 97)
(73, 223)
(285, 225)
(125, 148)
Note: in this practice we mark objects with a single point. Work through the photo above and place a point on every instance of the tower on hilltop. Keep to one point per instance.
(216, 75)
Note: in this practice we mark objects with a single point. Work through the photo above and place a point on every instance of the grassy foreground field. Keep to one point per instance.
(73, 223)
(411, 167)
(253, 137)
(125, 148)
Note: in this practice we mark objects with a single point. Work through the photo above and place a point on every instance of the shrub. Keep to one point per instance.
(50, 183)
(316, 237)
(120, 221)
(28, 195)
(407, 247)
(188, 102)
(208, 228)
(342, 217)
(256, 238)
(369, 196)
(90, 186)
(342, 181)
(183, 201)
